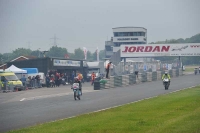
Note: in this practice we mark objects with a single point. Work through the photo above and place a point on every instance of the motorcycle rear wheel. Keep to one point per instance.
(78, 97)
(74, 95)
(166, 86)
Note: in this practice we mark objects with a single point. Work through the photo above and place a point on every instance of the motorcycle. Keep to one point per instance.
(166, 83)
(77, 92)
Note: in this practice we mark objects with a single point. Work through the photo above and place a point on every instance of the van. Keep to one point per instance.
(11, 79)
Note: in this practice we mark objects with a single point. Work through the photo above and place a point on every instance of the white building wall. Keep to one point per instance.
(130, 38)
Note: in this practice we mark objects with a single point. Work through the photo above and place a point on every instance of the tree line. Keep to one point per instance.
(54, 51)
(194, 60)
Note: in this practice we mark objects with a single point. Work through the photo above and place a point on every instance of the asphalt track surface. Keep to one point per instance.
(28, 108)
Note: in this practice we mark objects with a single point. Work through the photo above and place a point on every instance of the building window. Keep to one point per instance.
(118, 34)
(109, 48)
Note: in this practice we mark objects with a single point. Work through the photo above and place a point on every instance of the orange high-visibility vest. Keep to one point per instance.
(93, 76)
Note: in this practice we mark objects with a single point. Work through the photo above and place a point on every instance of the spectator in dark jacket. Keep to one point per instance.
(33, 82)
(47, 81)
(23, 79)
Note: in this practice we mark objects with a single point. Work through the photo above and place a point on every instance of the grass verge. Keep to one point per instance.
(177, 112)
(190, 68)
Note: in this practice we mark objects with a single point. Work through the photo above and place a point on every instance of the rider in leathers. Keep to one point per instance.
(166, 75)
(76, 80)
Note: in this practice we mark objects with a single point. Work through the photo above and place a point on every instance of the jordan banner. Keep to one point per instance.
(152, 50)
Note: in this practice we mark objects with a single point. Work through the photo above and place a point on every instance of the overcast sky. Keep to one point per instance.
(89, 23)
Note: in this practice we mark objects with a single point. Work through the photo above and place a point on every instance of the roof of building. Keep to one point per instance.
(25, 57)
(2, 65)
(128, 27)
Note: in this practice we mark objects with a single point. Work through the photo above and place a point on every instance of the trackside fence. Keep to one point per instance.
(130, 79)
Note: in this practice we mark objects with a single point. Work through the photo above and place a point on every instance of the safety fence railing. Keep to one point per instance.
(130, 79)
(130, 67)
(7, 87)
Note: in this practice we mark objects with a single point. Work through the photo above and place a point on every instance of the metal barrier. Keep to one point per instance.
(7, 87)
(180, 72)
(170, 73)
(177, 72)
(130, 79)
(174, 72)
(112, 82)
(154, 76)
(159, 76)
(144, 77)
(149, 76)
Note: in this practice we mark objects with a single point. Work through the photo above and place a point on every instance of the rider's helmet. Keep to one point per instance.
(166, 73)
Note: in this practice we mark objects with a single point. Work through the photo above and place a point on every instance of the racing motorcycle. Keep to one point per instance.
(166, 83)
(77, 92)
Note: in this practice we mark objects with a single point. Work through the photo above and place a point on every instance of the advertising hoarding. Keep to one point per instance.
(57, 62)
(152, 50)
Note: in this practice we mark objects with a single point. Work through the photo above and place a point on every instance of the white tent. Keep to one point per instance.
(15, 69)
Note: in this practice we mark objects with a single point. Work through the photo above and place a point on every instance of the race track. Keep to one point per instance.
(27, 108)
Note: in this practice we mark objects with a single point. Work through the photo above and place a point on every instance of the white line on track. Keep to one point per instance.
(22, 99)
(48, 96)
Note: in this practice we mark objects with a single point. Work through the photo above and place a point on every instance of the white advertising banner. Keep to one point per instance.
(169, 66)
(57, 62)
(154, 68)
(131, 69)
(151, 50)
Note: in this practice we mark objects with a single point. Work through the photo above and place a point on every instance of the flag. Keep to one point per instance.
(66, 56)
(85, 52)
(97, 52)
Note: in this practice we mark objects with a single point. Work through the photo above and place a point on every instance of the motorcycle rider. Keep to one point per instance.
(166, 75)
(76, 80)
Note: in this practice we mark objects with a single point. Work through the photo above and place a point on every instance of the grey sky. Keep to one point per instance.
(88, 23)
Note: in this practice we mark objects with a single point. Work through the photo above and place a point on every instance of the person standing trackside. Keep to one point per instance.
(33, 82)
(23, 79)
(108, 69)
(93, 75)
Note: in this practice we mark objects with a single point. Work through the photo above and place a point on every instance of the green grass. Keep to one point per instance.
(177, 112)
(190, 68)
